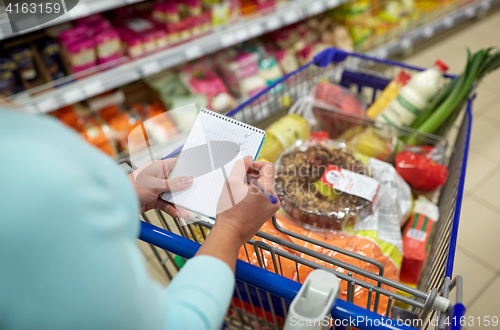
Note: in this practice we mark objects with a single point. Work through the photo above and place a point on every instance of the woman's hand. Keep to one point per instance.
(150, 181)
(241, 211)
(242, 208)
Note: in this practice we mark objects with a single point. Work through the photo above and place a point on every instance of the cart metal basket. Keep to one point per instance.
(262, 295)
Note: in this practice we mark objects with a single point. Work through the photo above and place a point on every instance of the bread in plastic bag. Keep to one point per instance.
(311, 180)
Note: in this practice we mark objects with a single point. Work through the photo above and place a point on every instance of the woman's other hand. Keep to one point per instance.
(242, 208)
(150, 181)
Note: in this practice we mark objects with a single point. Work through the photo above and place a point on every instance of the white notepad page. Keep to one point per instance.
(205, 151)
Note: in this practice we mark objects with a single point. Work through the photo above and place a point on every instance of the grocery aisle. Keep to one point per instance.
(477, 258)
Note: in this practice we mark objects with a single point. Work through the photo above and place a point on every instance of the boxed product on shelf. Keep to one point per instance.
(31, 61)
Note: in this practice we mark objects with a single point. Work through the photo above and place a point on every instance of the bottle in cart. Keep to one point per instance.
(414, 97)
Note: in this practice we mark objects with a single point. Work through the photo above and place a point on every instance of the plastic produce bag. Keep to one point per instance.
(323, 186)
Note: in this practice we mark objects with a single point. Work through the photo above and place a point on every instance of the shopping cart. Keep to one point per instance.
(262, 295)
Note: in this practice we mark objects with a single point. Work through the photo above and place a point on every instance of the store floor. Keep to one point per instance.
(478, 253)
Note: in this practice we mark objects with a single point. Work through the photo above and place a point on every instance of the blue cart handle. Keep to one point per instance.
(270, 282)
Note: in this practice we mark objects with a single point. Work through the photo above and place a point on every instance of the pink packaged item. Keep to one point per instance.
(90, 20)
(81, 55)
(73, 34)
(194, 7)
(171, 12)
(108, 46)
(99, 27)
(159, 12)
(161, 39)
(134, 46)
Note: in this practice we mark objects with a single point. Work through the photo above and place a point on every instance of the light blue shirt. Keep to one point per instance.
(68, 256)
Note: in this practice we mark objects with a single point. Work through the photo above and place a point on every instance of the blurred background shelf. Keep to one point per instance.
(82, 9)
(225, 37)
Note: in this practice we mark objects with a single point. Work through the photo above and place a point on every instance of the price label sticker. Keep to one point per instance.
(448, 22)
(80, 10)
(256, 30)
(242, 35)
(428, 31)
(291, 17)
(193, 52)
(73, 96)
(273, 24)
(316, 8)
(93, 88)
(227, 40)
(150, 68)
(47, 105)
(470, 12)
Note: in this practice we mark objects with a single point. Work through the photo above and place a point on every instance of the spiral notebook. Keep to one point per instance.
(212, 148)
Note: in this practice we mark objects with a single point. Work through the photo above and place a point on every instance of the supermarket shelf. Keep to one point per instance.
(250, 28)
(82, 9)
(407, 40)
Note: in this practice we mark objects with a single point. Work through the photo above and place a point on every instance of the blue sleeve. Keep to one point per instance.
(68, 229)
(199, 296)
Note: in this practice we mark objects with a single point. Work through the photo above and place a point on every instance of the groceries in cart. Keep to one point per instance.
(324, 186)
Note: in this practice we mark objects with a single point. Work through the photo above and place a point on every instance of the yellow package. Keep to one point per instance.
(389, 94)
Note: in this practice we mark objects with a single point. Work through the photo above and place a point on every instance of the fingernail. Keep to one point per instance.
(187, 180)
(249, 157)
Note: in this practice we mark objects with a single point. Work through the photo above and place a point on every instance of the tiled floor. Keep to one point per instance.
(478, 253)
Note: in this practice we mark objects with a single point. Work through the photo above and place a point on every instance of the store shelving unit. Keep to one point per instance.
(246, 29)
(407, 40)
(225, 37)
(82, 9)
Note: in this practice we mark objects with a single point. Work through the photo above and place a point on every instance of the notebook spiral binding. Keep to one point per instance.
(232, 120)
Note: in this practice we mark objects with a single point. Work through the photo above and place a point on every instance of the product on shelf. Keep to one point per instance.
(201, 79)
(416, 239)
(389, 93)
(418, 167)
(413, 97)
(318, 183)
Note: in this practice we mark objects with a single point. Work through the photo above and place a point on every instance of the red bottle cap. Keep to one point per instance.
(440, 64)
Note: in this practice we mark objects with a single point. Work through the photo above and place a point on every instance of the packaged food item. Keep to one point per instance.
(50, 53)
(337, 97)
(200, 79)
(7, 78)
(194, 7)
(99, 135)
(418, 166)
(23, 56)
(81, 55)
(352, 243)
(376, 142)
(389, 94)
(416, 239)
(287, 60)
(108, 46)
(282, 134)
(171, 12)
(414, 97)
(324, 187)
